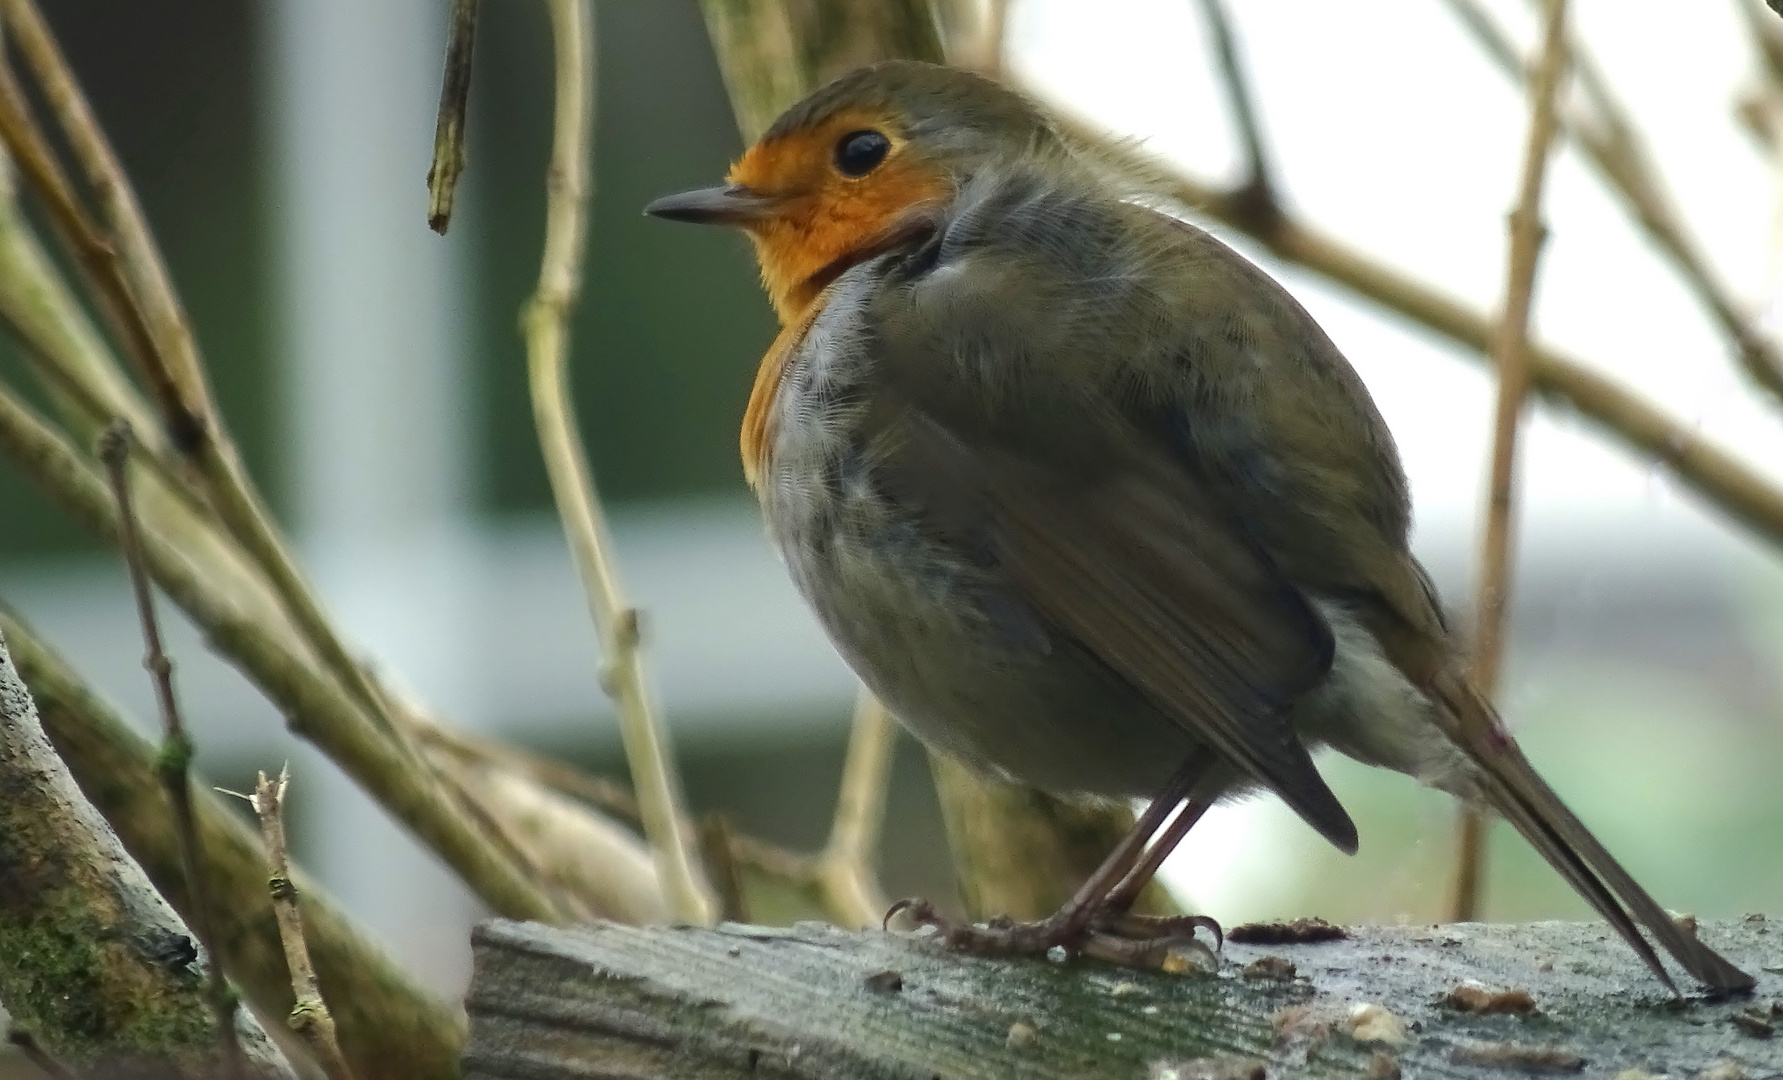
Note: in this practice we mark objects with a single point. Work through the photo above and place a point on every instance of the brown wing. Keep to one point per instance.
(1135, 563)
(1309, 465)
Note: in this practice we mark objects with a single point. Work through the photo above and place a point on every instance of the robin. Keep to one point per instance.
(1090, 502)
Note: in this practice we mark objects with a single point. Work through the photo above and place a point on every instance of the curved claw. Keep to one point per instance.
(1163, 926)
(921, 911)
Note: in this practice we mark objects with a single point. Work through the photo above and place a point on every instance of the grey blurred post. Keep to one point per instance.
(376, 434)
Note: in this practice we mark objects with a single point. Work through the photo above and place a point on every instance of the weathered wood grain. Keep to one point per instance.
(815, 1003)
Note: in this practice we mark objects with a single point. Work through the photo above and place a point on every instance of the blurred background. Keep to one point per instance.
(373, 372)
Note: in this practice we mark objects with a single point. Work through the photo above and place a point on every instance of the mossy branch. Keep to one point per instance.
(93, 963)
(389, 1027)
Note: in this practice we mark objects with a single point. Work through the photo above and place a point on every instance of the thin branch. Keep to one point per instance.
(141, 259)
(1255, 196)
(847, 870)
(175, 760)
(1511, 354)
(1762, 114)
(1720, 478)
(79, 370)
(603, 793)
(1601, 126)
(567, 192)
(310, 1017)
(449, 127)
(96, 256)
(317, 708)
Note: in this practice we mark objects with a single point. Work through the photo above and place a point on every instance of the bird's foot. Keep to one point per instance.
(1161, 943)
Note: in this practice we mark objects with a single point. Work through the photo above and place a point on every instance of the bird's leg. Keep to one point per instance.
(1077, 922)
(1116, 914)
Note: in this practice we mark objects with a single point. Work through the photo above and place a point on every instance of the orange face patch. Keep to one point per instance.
(828, 217)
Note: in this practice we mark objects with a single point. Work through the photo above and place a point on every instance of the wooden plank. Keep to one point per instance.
(816, 1003)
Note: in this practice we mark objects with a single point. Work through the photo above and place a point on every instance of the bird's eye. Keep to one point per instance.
(860, 152)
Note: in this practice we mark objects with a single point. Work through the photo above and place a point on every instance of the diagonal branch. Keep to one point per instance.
(1767, 36)
(1721, 479)
(175, 760)
(131, 279)
(138, 256)
(316, 707)
(388, 1026)
(94, 964)
(572, 483)
(1601, 127)
(1255, 197)
(97, 258)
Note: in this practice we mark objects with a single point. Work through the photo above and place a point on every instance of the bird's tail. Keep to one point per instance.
(1525, 800)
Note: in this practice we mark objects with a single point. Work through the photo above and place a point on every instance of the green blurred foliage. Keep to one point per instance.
(672, 322)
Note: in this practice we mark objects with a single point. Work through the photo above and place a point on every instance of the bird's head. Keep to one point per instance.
(858, 168)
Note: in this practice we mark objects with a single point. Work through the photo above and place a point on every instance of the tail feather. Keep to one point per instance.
(1514, 788)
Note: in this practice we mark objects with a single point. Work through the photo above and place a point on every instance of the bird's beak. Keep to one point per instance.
(732, 204)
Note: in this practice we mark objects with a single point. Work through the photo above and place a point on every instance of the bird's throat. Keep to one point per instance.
(757, 416)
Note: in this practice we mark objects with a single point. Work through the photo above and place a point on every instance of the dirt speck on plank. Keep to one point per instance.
(1297, 932)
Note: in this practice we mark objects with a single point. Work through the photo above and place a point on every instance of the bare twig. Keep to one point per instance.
(1721, 479)
(1255, 196)
(1467, 885)
(1511, 353)
(78, 368)
(1600, 125)
(1762, 113)
(584, 524)
(310, 1017)
(175, 761)
(847, 870)
(140, 260)
(318, 709)
(97, 258)
(439, 742)
(449, 127)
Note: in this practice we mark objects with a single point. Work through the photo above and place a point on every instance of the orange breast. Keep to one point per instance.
(758, 416)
